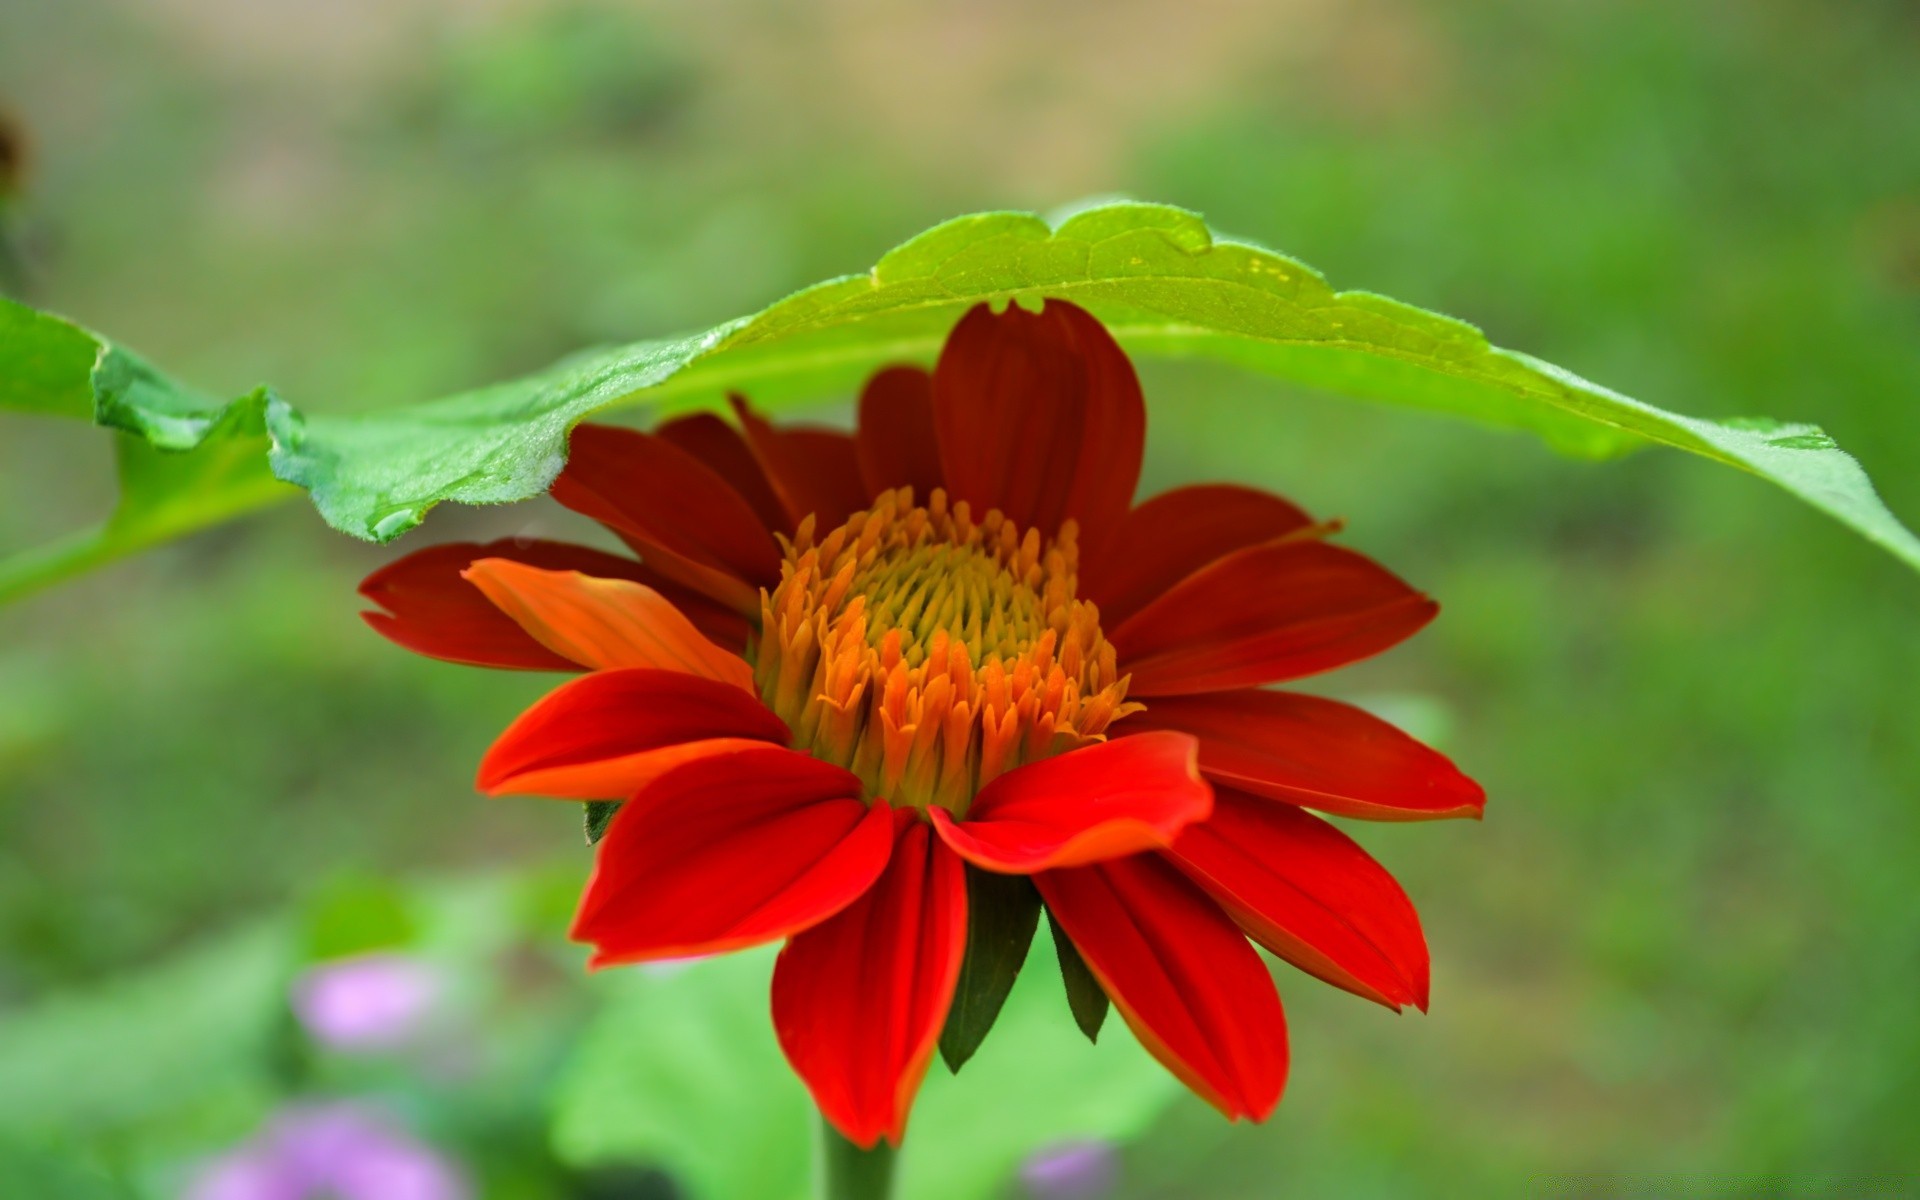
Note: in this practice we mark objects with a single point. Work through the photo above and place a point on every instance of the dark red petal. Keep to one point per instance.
(723, 626)
(431, 610)
(1182, 974)
(1316, 752)
(1113, 798)
(604, 622)
(896, 442)
(1171, 536)
(815, 472)
(730, 851)
(683, 518)
(1039, 416)
(1279, 610)
(859, 1000)
(605, 735)
(710, 439)
(1310, 894)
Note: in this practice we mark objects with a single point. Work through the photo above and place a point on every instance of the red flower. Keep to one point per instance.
(846, 666)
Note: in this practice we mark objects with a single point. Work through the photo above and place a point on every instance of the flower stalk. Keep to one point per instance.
(843, 1171)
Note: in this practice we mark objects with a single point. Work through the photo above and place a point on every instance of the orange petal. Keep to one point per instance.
(679, 514)
(431, 610)
(731, 851)
(1316, 752)
(1280, 610)
(1166, 539)
(1108, 800)
(859, 999)
(604, 622)
(1181, 973)
(1310, 894)
(607, 734)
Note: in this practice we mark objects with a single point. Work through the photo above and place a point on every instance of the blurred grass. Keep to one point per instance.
(1679, 955)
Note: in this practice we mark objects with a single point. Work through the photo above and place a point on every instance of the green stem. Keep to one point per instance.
(846, 1172)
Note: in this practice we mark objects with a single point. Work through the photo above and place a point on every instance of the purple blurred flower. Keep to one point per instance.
(1071, 1171)
(335, 1152)
(371, 1002)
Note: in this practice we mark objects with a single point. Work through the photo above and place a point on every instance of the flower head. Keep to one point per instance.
(847, 670)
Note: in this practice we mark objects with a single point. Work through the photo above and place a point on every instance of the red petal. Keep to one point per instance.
(606, 735)
(859, 1000)
(604, 622)
(684, 519)
(730, 851)
(1040, 416)
(1182, 974)
(896, 441)
(1113, 798)
(1316, 752)
(719, 445)
(431, 610)
(813, 471)
(1171, 536)
(1279, 610)
(1310, 894)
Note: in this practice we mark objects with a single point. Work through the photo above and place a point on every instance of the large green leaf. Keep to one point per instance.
(1160, 279)
(681, 1069)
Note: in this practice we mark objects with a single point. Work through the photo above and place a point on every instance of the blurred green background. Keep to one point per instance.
(1679, 957)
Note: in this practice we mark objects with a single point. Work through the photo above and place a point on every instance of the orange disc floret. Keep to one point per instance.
(930, 653)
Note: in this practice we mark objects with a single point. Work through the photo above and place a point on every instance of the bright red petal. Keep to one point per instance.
(604, 622)
(859, 1000)
(1310, 894)
(896, 442)
(710, 439)
(606, 735)
(1171, 536)
(1113, 798)
(1039, 416)
(431, 610)
(1279, 610)
(815, 472)
(1182, 974)
(682, 517)
(1315, 752)
(730, 851)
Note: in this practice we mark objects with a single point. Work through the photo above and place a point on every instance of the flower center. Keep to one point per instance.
(929, 653)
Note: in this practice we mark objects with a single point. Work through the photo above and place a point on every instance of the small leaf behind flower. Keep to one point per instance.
(1002, 913)
(1085, 996)
(599, 816)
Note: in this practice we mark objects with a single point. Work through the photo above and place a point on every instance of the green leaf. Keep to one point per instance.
(1002, 913)
(151, 1046)
(1085, 997)
(183, 462)
(599, 816)
(1160, 279)
(31, 1168)
(1156, 275)
(354, 915)
(1034, 1084)
(682, 1070)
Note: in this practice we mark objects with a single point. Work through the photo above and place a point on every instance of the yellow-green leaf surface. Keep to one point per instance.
(183, 461)
(1162, 281)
